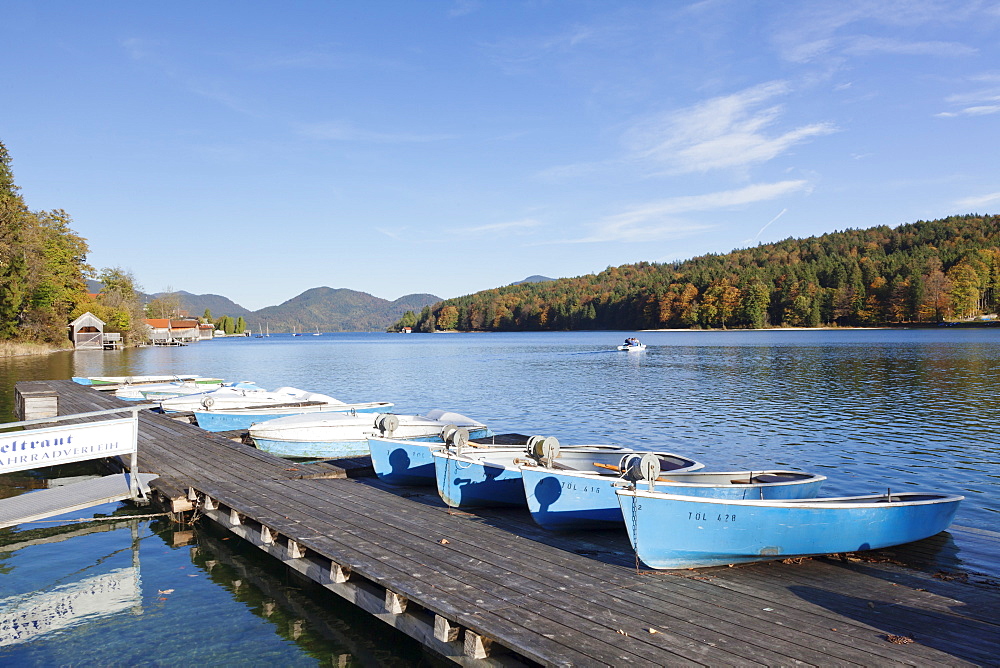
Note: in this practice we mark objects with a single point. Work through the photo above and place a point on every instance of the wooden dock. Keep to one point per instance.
(69, 498)
(490, 588)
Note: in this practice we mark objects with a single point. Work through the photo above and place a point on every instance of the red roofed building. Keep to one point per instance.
(162, 331)
(184, 330)
(159, 330)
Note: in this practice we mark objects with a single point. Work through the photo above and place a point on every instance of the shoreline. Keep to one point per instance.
(22, 349)
(768, 329)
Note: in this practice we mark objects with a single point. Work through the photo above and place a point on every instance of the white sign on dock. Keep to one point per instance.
(35, 448)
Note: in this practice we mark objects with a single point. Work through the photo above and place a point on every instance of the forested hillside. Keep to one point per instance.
(922, 272)
(45, 282)
(42, 266)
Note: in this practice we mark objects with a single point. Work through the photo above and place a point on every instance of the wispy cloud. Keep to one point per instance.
(139, 49)
(658, 221)
(392, 234)
(463, 8)
(513, 54)
(572, 171)
(975, 110)
(866, 45)
(501, 229)
(216, 92)
(750, 241)
(304, 60)
(150, 52)
(970, 203)
(723, 132)
(343, 131)
(324, 57)
(981, 102)
(811, 31)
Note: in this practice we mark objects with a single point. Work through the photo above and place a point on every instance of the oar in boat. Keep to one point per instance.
(618, 469)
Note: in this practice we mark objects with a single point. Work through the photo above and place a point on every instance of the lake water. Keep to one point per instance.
(871, 409)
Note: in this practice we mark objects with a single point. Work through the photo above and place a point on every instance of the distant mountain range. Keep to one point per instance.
(195, 305)
(323, 309)
(317, 309)
(334, 310)
(534, 279)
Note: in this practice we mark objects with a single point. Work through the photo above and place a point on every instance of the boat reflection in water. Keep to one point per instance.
(104, 614)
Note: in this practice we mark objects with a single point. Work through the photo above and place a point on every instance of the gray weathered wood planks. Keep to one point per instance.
(564, 600)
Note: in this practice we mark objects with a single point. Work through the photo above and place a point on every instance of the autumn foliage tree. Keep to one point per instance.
(42, 267)
(922, 272)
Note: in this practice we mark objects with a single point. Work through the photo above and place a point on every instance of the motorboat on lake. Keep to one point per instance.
(562, 500)
(671, 531)
(327, 435)
(632, 344)
(494, 477)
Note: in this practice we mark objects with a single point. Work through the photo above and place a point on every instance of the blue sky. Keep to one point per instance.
(259, 149)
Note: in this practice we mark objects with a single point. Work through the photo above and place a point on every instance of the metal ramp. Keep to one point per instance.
(68, 498)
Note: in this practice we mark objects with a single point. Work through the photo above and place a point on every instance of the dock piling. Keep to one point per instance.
(473, 601)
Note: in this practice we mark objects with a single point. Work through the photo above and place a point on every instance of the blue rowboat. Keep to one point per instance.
(563, 500)
(410, 463)
(328, 435)
(671, 531)
(181, 388)
(468, 479)
(403, 462)
(243, 395)
(227, 419)
(138, 380)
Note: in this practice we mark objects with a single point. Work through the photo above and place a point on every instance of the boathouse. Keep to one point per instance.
(87, 332)
(164, 331)
(158, 331)
(184, 331)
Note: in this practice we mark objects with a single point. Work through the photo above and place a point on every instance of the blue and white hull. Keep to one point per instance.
(162, 391)
(325, 449)
(244, 395)
(475, 483)
(339, 448)
(410, 463)
(132, 380)
(669, 531)
(569, 500)
(328, 435)
(496, 477)
(227, 419)
(404, 462)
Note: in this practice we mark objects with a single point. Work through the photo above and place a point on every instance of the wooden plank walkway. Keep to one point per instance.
(68, 498)
(490, 588)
